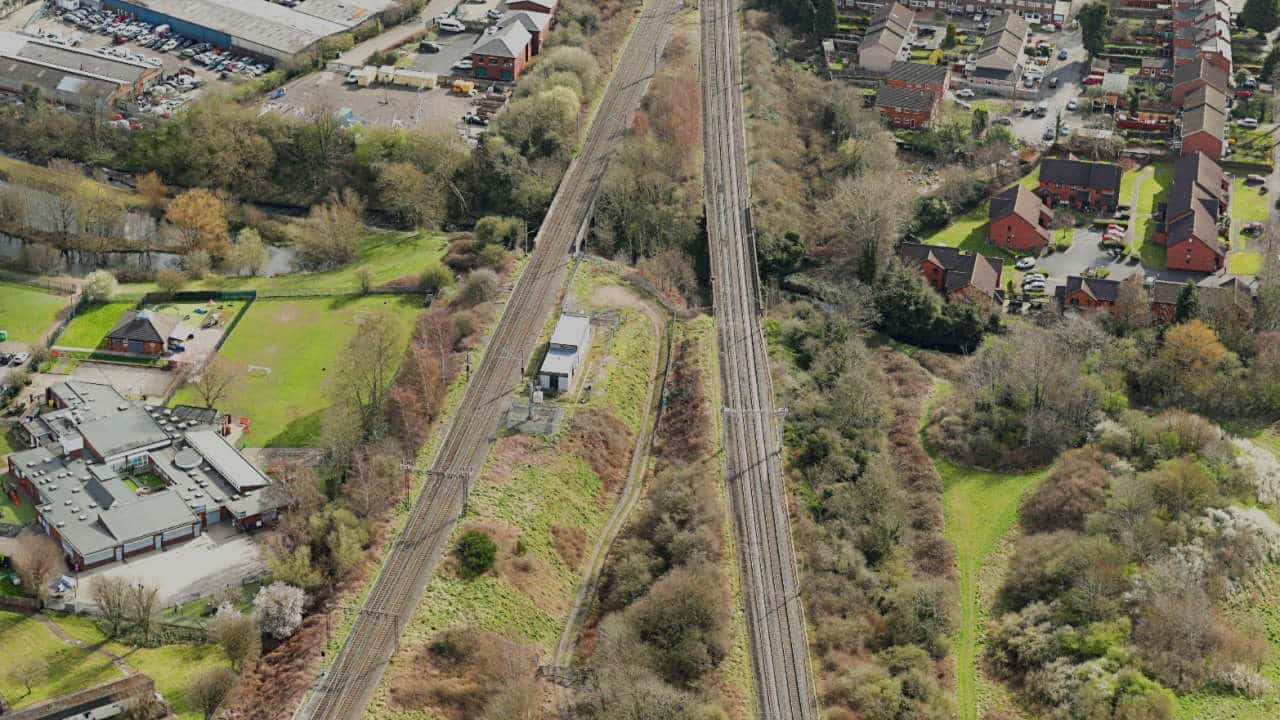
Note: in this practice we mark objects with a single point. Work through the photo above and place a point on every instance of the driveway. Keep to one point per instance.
(1068, 72)
(218, 559)
(453, 47)
(1084, 254)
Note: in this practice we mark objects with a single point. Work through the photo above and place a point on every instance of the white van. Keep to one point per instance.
(451, 25)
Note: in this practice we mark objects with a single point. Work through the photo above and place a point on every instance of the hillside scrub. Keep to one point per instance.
(1106, 610)
(664, 595)
(877, 576)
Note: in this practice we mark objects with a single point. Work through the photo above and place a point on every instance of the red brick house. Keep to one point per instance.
(1204, 122)
(904, 107)
(1019, 220)
(1088, 186)
(1087, 293)
(504, 56)
(1197, 74)
(143, 332)
(919, 76)
(1193, 244)
(537, 24)
(1198, 198)
(956, 275)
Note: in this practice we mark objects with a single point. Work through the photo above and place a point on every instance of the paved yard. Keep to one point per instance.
(148, 383)
(218, 559)
(386, 106)
(1084, 254)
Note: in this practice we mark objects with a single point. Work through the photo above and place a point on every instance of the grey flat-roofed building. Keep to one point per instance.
(565, 352)
(68, 76)
(259, 27)
(80, 491)
(129, 432)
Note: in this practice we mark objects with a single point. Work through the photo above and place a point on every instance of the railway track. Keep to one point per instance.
(775, 615)
(345, 689)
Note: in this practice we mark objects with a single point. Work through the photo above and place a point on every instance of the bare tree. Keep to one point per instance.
(37, 561)
(1132, 310)
(215, 379)
(238, 635)
(332, 232)
(367, 368)
(111, 594)
(143, 603)
(210, 688)
(27, 671)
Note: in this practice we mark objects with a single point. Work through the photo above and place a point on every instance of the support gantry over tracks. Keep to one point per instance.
(347, 686)
(757, 492)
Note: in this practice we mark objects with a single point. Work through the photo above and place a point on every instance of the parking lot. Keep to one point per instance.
(60, 30)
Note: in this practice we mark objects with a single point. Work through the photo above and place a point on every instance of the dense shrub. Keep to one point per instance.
(476, 553)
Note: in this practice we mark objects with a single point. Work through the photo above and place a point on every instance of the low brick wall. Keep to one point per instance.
(120, 690)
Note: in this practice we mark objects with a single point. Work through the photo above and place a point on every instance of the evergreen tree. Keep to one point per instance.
(1187, 304)
(1093, 27)
(1262, 16)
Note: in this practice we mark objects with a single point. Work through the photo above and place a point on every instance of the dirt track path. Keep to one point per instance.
(632, 490)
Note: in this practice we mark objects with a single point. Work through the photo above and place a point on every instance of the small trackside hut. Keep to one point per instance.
(565, 353)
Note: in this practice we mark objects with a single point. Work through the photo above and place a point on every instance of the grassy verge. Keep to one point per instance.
(15, 514)
(532, 489)
(383, 258)
(980, 508)
(27, 312)
(299, 340)
(1244, 263)
(70, 668)
(1155, 189)
(170, 666)
(89, 328)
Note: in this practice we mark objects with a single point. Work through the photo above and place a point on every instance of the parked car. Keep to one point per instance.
(1025, 263)
(20, 359)
(1033, 287)
(463, 64)
(427, 46)
(1048, 133)
(494, 14)
(1250, 123)
(1034, 277)
(451, 25)
(1072, 105)
(1062, 54)
(1053, 81)
(965, 93)
(1252, 228)
(474, 119)
(1092, 80)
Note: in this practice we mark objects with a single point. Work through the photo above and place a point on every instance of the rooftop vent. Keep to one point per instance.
(82, 518)
(93, 505)
(61, 524)
(122, 408)
(66, 502)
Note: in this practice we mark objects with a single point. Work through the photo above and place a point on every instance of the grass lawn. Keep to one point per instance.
(16, 514)
(1247, 204)
(70, 668)
(386, 256)
(150, 480)
(90, 327)
(980, 508)
(299, 340)
(1155, 188)
(27, 312)
(171, 666)
(1244, 263)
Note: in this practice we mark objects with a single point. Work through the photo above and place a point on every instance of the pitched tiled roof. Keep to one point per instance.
(1002, 45)
(1100, 289)
(963, 269)
(532, 21)
(1165, 292)
(904, 98)
(1204, 118)
(1206, 95)
(509, 42)
(1078, 173)
(1017, 200)
(921, 73)
(894, 15)
(143, 326)
(1196, 224)
(1196, 179)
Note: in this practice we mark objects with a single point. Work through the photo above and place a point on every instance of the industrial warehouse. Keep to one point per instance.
(110, 479)
(66, 75)
(257, 27)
